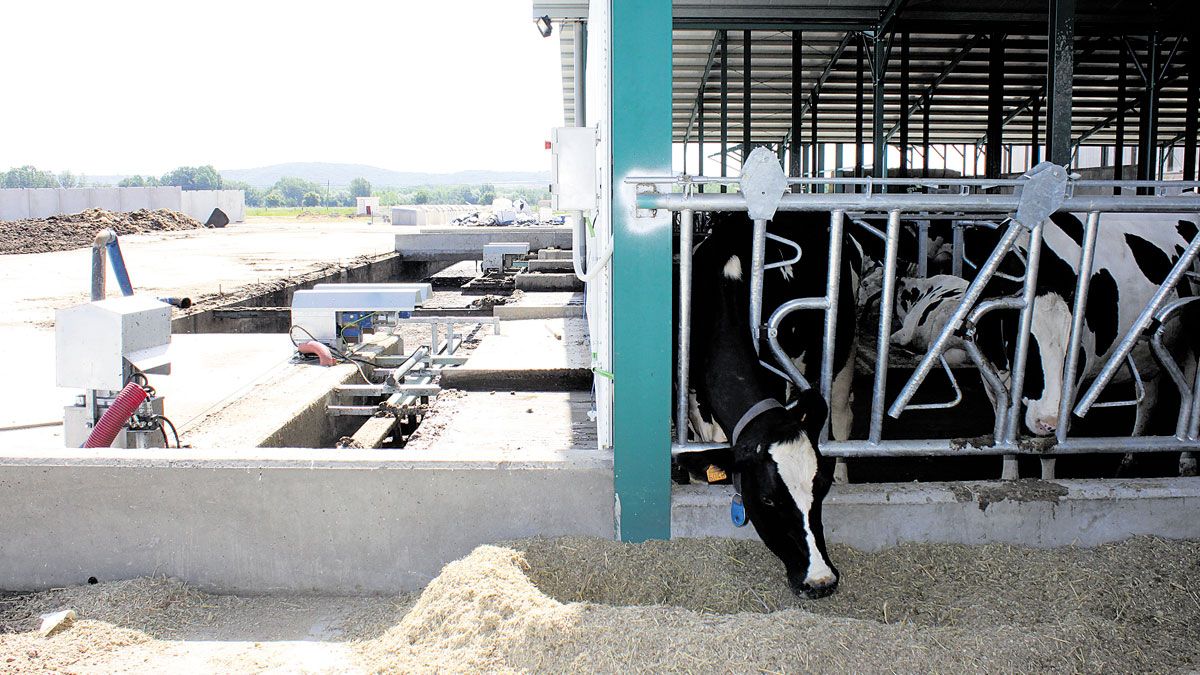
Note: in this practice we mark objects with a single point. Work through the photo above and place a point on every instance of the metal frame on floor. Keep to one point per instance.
(1033, 199)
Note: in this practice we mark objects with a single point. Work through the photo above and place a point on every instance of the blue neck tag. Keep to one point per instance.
(737, 511)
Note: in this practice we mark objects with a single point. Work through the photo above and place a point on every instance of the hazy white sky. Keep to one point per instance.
(144, 86)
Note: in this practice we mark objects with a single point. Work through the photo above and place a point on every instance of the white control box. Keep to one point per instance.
(93, 341)
(573, 181)
(494, 254)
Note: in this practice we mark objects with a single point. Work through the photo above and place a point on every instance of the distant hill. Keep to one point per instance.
(340, 175)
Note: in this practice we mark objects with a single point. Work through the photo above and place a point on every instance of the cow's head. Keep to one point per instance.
(783, 481)
(1045, 365)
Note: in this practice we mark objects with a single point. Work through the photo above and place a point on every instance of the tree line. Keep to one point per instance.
(287, 191)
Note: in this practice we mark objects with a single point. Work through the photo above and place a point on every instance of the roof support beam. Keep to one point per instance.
(995, 127)
(1119, 142)
(712, 53)
(859, 107)
(928, 93)
(888, 15)
(1148, 120)
(1060, 71)
(904, 103)
(1035, 139)
(820, 81)
(797, 99)
(724, 44)
(879, 143)
(1193, 102)
(747, 116)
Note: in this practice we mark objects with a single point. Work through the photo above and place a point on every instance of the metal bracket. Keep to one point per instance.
(1042, 195)
(643, 189)
(763, 183)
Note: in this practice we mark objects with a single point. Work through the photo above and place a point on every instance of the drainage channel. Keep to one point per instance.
(264, 307)
(383, 401)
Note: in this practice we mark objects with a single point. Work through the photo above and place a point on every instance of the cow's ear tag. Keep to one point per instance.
(737, 511)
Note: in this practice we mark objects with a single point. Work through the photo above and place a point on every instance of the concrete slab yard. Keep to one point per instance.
(534, 355)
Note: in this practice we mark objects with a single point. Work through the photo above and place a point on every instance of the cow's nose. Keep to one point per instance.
(1046, 425)
(820, 589)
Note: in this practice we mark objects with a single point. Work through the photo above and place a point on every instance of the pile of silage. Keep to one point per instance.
(722, 605)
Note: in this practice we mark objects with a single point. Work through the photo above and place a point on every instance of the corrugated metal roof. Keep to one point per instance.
(941, 33)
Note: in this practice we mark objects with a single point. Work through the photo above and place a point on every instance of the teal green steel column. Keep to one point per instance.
(641, 144)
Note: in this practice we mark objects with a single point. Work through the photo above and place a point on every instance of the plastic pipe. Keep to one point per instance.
(118, 264)
(324, 356)
(122, 408)
(100, 263)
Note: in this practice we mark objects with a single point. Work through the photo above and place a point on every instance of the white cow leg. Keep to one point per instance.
(1187, 460)
(1141, 417)
(841, 414)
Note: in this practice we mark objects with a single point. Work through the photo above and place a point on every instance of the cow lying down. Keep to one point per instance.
(1134, 253)
(774, 461)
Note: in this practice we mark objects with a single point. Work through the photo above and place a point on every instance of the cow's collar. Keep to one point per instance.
(750, 415)
(737, 509)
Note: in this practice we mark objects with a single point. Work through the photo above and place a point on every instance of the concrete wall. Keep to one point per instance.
(291, 520)
(199, 204)
(430, 214)
(18, 203)
(466, 243)
(1035, 513)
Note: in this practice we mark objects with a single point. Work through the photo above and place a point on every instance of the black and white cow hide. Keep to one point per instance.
(776, 464)
(801, 333)
(1134, 254)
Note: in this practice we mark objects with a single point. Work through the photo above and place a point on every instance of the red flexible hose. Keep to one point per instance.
(122, 408)
(324, 356)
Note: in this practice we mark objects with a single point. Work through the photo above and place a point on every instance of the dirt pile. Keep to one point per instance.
(78, 230)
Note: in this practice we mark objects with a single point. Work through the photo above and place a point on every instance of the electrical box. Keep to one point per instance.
(573, 180)
(94, 341)
(337, 313)
(500, 255)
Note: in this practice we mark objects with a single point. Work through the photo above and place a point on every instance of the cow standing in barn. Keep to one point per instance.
(800, 334)
(775, 464)
(1134, 254)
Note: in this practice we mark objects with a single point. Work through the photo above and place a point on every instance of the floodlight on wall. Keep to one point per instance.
(544, 26)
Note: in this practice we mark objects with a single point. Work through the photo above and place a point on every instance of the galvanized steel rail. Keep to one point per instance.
(1043, 191)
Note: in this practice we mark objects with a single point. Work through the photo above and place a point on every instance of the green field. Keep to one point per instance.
(299, 211)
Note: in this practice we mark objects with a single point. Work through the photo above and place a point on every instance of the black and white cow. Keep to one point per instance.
(801, 333)
(776, 465)
(1134, 253)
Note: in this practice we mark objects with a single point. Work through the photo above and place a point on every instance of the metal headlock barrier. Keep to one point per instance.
(1045, 190)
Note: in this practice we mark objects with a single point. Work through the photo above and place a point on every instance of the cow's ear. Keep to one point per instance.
(811, 410)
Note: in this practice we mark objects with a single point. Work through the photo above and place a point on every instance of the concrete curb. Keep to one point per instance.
(1027, 512)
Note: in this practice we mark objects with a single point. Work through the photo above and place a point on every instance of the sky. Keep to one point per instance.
(125, 86)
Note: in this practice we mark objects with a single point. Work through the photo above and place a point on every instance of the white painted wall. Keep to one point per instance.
(199, 204)
(18, 203)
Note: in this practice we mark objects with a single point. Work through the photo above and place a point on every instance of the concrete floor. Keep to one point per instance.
(33, 286)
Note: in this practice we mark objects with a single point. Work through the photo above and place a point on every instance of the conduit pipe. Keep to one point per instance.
(106, 243)
(110, 423)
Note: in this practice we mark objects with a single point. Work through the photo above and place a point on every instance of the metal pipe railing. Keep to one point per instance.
(1007, 398)
(758, 258)
(970, 298)
(1178, 378)
(683, 366)
(981, 183)
(833, 282)
(1087, 257)
(982, 203)
(887, 305)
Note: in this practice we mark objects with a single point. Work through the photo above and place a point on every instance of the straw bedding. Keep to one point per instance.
(711, 605)
(721, 605)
